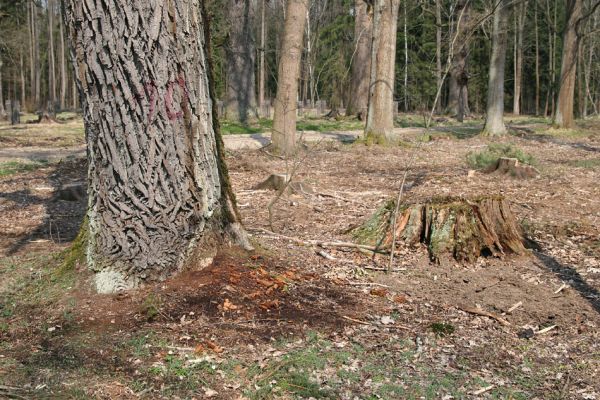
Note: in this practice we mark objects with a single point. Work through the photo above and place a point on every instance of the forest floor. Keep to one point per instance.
(286, 322)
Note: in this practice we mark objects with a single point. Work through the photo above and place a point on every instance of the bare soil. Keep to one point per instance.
(285, 322)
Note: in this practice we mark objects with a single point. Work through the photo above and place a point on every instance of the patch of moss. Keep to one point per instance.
(442, 329)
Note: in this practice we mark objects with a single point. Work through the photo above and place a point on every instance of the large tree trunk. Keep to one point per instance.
(520, 17)
(494, 122)
(564, 117)
(240, 102)
(157, 180)
(380, 118)
(361, 61)
(438, 49)
(284, 121)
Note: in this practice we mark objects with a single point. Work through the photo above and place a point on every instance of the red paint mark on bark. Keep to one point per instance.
(171, 114)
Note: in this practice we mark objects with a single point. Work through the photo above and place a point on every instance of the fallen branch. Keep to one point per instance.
(356, 320)
(319, 243)
(483, 313)
(368, 284)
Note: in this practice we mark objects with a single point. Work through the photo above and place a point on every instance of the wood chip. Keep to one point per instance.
(482, 390)
(514, 307)
(547, 329)
(561, 288)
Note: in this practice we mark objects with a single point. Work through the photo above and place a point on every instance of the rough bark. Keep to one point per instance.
(284, 121)
(380, 118)
(494, 122)
(361, 61)
(240, 103)
(564, 117)
(157, 182)
(520, 17)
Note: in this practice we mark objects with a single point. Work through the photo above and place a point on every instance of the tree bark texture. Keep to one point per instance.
(380, 118)
(284, 121)
(564, 117)
(361, 61)
(240, 103)
(157, 179)
(494, 122)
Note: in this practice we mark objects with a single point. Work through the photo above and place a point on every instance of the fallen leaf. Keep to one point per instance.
(229, 306)
(380, 292)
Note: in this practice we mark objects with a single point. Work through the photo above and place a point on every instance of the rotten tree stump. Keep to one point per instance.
(514, 168)
(461, 228)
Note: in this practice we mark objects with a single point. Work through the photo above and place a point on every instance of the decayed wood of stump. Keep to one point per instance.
(454, 227)
(514, 168)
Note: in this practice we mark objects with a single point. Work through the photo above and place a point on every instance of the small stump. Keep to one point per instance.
(514, 168)
(453, 227)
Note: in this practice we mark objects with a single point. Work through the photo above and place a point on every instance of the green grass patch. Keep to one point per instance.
(14, 167)
(489, 156)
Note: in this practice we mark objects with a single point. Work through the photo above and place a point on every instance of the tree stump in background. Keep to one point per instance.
(15, 112)
(514, 168)
(461, 228)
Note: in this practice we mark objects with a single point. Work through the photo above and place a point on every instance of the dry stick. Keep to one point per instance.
(484, 313)
(427, 127)
(514, 307)
(319, 243)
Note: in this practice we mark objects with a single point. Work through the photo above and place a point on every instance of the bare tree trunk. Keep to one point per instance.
(537, 60)
(494, 122)
(284, 121)
(22, 77)
(157, 181)
(438, 48)
(380, 118)
(564, 117)
(63, 67)
(520, 17)
(587, 65)
(361, 61)
(36, 72)
(405, 58)
(2, 111)
(263, 44)
(51, 58)
(241, 99)
(458, 77)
